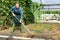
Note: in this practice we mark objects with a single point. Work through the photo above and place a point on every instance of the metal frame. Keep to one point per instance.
(50, 9)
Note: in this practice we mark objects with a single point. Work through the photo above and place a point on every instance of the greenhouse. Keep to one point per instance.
(49, 8)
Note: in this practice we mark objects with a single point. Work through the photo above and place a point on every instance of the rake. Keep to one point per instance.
(10, 36)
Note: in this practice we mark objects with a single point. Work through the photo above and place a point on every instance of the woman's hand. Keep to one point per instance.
(20, 20)
(13, 14)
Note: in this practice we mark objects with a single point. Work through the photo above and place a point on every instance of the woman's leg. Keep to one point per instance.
(14, 24)
(13, 27)
(20, 27)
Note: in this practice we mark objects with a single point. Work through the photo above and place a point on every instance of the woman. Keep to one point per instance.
(16, 12)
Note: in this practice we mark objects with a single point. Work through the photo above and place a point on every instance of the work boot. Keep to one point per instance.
(20, 28)
(13, 27)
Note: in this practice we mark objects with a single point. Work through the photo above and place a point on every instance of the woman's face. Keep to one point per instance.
(17, 5)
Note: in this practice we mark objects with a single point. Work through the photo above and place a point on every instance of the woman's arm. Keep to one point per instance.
(12, 9)
(21, 12)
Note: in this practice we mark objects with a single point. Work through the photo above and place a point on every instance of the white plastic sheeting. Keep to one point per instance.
(49, 17)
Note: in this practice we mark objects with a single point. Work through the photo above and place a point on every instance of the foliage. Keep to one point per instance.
(29, 18)
(5, 16)
(36, 7)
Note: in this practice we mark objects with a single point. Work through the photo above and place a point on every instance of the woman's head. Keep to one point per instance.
(17, 5)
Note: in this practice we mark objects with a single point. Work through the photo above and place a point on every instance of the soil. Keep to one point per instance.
(53, 35)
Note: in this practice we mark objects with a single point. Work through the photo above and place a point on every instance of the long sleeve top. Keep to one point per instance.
(17, 11)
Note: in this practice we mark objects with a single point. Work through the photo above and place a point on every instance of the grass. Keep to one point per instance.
(41, 28)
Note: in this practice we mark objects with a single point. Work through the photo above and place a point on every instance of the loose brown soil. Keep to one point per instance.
(52, 32)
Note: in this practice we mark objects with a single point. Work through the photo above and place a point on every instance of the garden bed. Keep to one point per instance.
(41, 30)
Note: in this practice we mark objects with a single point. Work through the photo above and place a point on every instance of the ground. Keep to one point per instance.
(40, 30)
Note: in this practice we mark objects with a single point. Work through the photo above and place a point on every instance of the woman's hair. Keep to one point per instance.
(16, 3)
